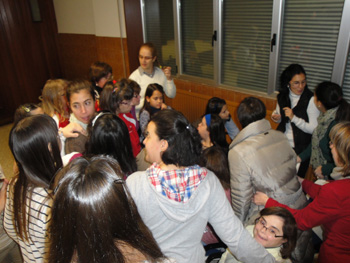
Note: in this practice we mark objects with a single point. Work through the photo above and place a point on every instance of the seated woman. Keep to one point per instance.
(94, 219)
(176, 198)
(331, 202)
(212, 131)
(218, 106)
(36, 149)
(109, 135)
(276, 230)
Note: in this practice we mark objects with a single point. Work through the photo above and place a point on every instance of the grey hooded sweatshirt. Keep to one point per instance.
(178, 227)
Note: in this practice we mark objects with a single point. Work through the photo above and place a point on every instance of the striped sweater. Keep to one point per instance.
(39, 213)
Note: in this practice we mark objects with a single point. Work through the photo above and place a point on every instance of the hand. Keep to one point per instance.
(73, 130)
(276, 117)
(3, 195)
(318, 172)
(298, 159)
(301, 180)
(288, 112)
(260, 198)
(164, 106)
(167, 72)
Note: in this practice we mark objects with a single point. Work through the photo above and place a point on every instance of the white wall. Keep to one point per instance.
(95, 17)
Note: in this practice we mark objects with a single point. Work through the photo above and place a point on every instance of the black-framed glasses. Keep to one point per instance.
(271, 231)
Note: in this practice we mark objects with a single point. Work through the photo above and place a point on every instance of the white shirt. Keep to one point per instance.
(157, 77)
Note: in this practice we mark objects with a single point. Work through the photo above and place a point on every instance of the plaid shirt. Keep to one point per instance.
(177, 185)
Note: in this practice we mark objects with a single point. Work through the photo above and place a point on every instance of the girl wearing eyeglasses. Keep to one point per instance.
(276, 230)
(331, 202)
(149, 72)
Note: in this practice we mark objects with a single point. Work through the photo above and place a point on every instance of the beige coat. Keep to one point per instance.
(261, 159)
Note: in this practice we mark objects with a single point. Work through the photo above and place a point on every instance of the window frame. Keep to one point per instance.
(340, 57)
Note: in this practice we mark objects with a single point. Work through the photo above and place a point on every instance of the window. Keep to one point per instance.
(255, 40)
(196, 38)
(346, 83)
(246, 43)
(309, 37)
(158, 28)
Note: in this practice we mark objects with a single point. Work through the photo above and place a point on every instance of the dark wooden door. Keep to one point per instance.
(28, 53)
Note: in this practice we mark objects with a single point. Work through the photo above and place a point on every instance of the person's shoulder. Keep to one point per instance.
(135, 74)
(136, 178)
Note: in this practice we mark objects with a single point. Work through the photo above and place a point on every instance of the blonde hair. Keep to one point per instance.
(340, 137)
(51, 97)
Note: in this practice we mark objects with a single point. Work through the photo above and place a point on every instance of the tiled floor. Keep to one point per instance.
(6, 158)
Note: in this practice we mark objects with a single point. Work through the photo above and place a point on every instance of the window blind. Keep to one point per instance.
(159, 20)
(309, 37)
(346, 83)
(196, 34)
(246, 43)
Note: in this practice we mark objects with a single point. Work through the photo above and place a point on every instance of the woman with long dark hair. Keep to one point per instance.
(176, 198)
(212, 131)
(94, 218)
(296, 112)
(109, 135)
(35, 146)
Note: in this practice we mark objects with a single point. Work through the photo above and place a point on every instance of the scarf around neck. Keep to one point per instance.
(324, 120)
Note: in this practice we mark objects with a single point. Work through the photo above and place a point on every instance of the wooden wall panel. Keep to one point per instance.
(112, 51)
(29, 54)
(191, 99)
(132, 10)
(79, 51)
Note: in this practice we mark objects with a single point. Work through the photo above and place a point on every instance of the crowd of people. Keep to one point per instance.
(105, 171)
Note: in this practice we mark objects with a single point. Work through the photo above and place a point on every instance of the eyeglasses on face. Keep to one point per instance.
(271, 231)
(145, 57)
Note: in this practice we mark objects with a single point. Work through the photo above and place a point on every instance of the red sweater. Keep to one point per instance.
(134, 136)
(330, 208)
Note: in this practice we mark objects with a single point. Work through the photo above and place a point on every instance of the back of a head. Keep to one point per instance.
(24, 111)
(215, 159)
(217, 132)
(93, 211)
(98, 70)
(288, 74)
(109, 135)
(184, 142)
(106, 96)
(251, 110)
(289, 228)
(214, 105)
(35, 147)
(330, 95)
(340, 137)
(51, 96)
